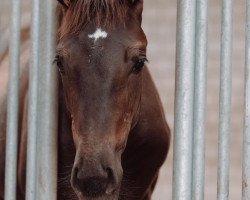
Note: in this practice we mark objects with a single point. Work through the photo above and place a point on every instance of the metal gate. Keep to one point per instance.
(41, 176)
(190, 106)
(190, 103)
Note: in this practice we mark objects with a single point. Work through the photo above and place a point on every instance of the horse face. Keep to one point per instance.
(101, 71)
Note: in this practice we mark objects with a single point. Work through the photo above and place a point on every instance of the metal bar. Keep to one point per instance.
(246, 134)
(33, 97)
(200, 100)
(225, 101)
(185, 62)
(47, 128)
(12, 107)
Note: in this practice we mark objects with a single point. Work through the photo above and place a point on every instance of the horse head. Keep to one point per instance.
(101, 52)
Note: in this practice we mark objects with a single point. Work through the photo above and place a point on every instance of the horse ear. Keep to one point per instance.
(137, 6)
(64, 3)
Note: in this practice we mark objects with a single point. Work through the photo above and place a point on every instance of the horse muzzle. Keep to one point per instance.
(94, 180)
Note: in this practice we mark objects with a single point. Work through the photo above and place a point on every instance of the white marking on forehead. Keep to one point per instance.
(99, 33)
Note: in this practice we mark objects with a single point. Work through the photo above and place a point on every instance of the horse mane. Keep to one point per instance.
(101, 12)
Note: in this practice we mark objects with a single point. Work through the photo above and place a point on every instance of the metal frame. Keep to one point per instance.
(41, 181)
(225, 100)
(12, 107)
(42, 134)
(200, 85)
(185, 64)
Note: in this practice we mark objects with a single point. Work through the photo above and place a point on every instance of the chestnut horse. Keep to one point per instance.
(113, 135)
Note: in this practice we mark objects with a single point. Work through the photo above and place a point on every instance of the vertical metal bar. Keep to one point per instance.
(200, 100)
(47, 128)
(12, 108)
(42, 143)
(32, 114)
(185, 62)
(225, 101)
(246, 134)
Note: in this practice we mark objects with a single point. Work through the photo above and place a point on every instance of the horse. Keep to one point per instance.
(112, 132)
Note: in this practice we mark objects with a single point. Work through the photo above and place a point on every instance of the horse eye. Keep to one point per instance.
(138, 66)
(59, 64)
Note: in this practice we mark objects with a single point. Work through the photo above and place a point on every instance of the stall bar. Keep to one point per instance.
(41, 180)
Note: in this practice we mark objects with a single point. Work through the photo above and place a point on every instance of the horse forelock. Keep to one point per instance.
(101, 12)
